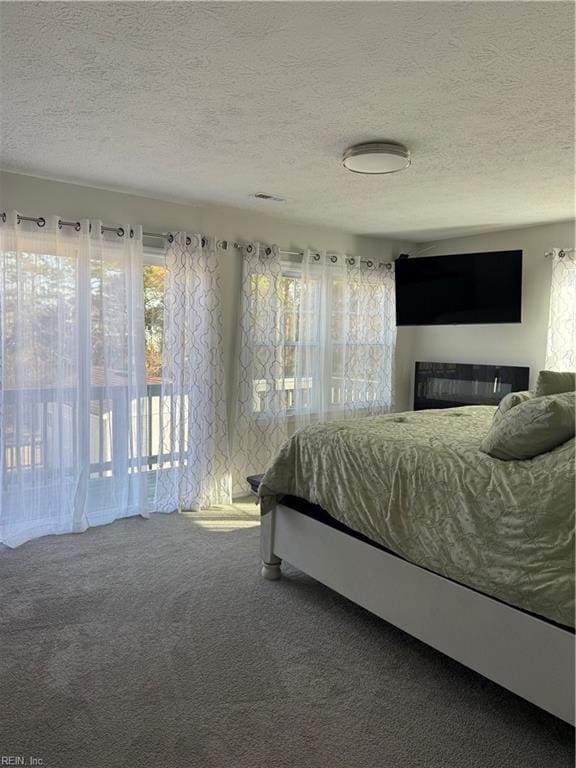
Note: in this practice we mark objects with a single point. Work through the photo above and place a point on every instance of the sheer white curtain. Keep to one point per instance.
(317, 342)
(193, 460)
(561, 347)
(72, 408)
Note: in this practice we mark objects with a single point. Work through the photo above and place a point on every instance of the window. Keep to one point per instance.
(301, 305)
(153, 320)
(102, 420)
(154, 276)
(332, 340)
(359, 340)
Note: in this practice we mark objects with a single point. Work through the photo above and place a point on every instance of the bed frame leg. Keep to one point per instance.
(270, 562)
(271, 571)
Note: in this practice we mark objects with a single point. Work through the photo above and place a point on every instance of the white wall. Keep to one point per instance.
(33, 196)
(516, 344)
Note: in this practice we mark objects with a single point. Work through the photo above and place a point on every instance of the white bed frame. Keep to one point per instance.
(529, 656)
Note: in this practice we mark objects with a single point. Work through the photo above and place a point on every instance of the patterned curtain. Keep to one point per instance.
(193, 465)
(561, 347)
(317, 342)
(259, 414)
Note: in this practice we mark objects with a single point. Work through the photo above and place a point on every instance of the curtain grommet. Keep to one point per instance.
(120, 232)
(249, 249)
(59, 223)
(203, 242)
(41, 222)
(369, 264)
(78, 226)
(352, 262)
(188, 240)
(316, 257)
(170, 237)
(18, 219)
(268, 251)
(3, 216)
(333, 259)
(131, 233)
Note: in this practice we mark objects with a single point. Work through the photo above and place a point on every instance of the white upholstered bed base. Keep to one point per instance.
(529, 656)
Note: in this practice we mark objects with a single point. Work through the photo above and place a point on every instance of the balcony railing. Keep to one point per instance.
(41, 429)
(300, 394)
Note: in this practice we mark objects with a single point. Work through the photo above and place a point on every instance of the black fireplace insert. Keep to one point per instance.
(448, 385)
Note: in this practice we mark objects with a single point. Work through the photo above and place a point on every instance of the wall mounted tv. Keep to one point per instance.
(467, 288)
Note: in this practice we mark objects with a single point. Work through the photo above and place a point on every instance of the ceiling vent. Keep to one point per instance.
(266, 196)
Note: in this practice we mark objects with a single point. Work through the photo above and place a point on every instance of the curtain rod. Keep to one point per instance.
(351, 260)
(560, 252)
(41, 222)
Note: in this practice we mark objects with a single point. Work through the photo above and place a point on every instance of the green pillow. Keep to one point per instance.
(511, 400)
(555, 382)
(536, 426)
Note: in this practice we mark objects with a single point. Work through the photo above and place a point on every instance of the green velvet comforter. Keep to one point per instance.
(416, 483)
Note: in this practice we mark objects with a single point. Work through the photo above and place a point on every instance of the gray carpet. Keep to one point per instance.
(155, 643)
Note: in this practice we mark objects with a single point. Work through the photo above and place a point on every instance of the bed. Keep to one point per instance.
(405, 516)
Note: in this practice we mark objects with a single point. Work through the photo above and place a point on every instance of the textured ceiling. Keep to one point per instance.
(216, 101)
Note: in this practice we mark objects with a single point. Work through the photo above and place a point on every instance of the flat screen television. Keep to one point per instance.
(467, 288)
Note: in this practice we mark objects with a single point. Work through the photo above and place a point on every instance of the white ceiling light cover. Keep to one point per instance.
(376, 157)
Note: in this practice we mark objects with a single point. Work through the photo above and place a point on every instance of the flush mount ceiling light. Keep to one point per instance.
(376, 157)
